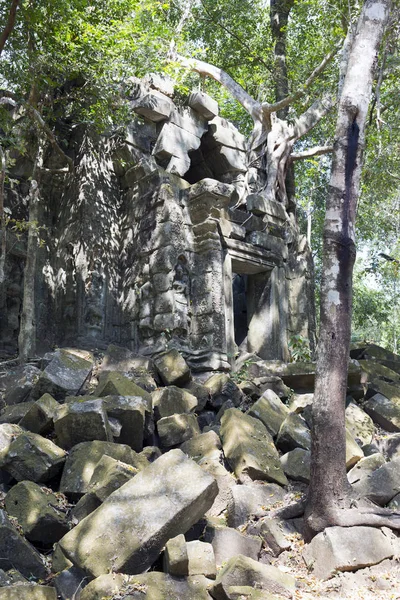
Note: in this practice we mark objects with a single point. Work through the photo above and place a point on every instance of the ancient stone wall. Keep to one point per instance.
(143, 242)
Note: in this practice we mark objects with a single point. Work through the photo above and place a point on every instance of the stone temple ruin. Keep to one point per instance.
(162, 238)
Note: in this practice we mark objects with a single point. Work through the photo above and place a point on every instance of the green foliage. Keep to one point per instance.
(299, 349)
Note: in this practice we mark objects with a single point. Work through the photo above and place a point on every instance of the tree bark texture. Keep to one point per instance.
(27, 332)
(329, 491)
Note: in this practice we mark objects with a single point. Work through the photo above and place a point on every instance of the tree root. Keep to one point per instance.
(371, 516)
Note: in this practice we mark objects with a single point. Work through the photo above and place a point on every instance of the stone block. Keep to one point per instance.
(176, 560)
(28, 591)
(40, 513)
(201, 559)
(203, 104)
(222, 388)
(133, 416)
(225, 133)
(353, 451)
(224, 160)
(19, 383)
(383, 412)
(33, 457)
(178, 165)
(249, 448)
(8, 433)
(86, 505)
(200, 392)
(365, 467)
(172, 368)
(113, 383)
(174, 141)
(359, 424)
(260, 205)
(109, 475)
(153, 107)
(270, 410)
(190, 120)
(296, 464)
(149, 586)
(228, 543)
(17, 553)
(70, 582)
(65, 375)
(382, 484)
(274, 533)
(15, 412)
(347, 549)
(170, 400)
(176, 429)
(136, 521)
(40, 417)
(269, 242)
(78, 422)
(121, 359)
(245, 571)
(83, 459)
(252, 500)
(205, 445)
(293, 433)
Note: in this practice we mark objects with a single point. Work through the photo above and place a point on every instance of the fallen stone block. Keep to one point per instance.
(109, 475)
(353, 451)
(359, 424)
(147, 586)
(172, 400)
(8, 433)
(83, 459)
(13, 414)
(134, 417)
(40, 416)
(245, 571)
(296, 464)
(205, 445)
(222, 388)
(28, 591)
(65, 375)
(270, 410)
(200, 392)
(201, 559)
(176, 429)
(136, 521)
(382, 484)
(33, 457)
(78, 422)
(121, 359)
(228, 543)
(365, 467)
(40, 513)
(293, 433)
(172, 368)
(70, 582)
(154, 107)
(383, 412)
(19, 383)
(275, 534)
(252, 500)
(176, 561)
(113, 383)
(85, 505)
(249, 448)
(17, 553)
(347, 549)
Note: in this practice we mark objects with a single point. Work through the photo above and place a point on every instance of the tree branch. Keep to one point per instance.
(12, 15)
(312, 116)
(315, 151)
(249, 104)
(270, 108)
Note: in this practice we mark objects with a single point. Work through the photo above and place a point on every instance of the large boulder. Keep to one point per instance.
(66, 374)
(109, 475)
(40, 416)
(383, 411)
(19, 383)
(8, 433)
(347, 549)
(222, 388)
(136, 521)
(359, 424)
(296, 464)
(176, 429)
(293, 433)
(249, 448)
(382, 484)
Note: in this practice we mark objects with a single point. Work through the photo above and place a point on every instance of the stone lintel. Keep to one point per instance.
(249, 260)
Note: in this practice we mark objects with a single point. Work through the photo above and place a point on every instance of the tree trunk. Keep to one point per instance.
(330, 493)
(27, 332)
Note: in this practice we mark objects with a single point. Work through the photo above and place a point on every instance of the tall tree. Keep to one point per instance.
(330, 498)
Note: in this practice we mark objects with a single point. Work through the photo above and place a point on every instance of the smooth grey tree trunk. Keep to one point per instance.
(329, 498)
